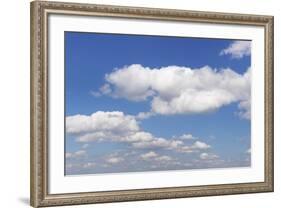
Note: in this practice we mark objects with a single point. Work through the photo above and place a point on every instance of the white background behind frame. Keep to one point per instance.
(14, 111)
(58, 183)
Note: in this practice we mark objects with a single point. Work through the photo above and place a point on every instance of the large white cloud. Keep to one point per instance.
(118, 127)
(180, 90)
(238, 49)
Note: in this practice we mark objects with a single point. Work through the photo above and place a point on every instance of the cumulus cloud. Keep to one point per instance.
(114, 160)
(238, 49)
(163, 158)
(245, 109)
(144, 115)
(208, 156)
(152, 156)
(148, 155)
(89, 165)
(195, 147)
(103, 90)
(76, 154)
(200, 145)
(180, 90)
(118, 127)
(159, 143)
(187, 137)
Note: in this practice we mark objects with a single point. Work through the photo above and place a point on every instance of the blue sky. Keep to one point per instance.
(108, 73)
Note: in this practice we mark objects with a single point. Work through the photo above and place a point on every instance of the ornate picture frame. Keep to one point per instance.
(40, 89)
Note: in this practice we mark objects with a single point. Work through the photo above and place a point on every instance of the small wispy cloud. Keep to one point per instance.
(95, 93)
(149, 155)
(238, 49)
(187, 137)
(144, 115)
(114, 160)
(163, 158)
(89, 165)
(208, 156)
(152, 156)
(245, 109)
(103, 90)
(76, 154)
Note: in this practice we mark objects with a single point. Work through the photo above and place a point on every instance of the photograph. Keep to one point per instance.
(140, 104)
(136, 103)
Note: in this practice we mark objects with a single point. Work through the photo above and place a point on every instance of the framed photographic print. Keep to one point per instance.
(138, 103)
